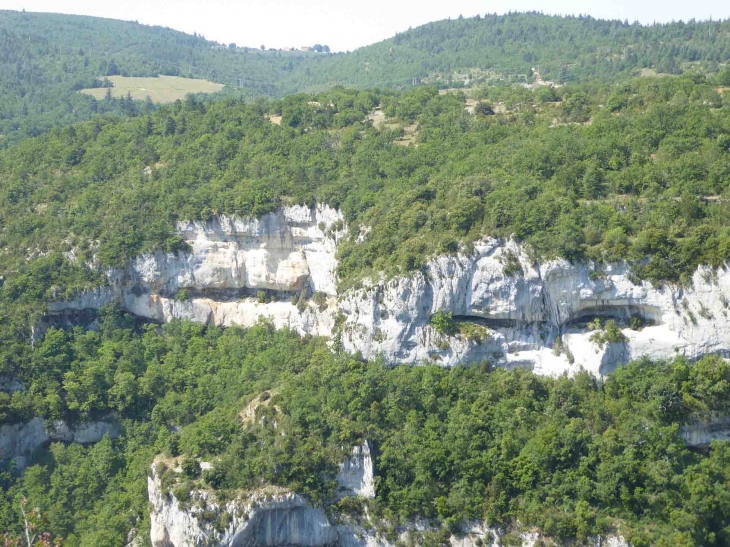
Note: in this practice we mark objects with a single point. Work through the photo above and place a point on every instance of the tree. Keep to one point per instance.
(443, 322)
(545, 94)
(593, 185)
(33, 534)
(112, 70)
(483, 108)
(170, 126)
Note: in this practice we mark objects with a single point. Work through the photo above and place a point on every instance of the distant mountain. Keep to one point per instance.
(46, 58)
(563, 48)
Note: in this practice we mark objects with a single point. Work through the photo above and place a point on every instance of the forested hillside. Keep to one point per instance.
(565, 49)
(609, 167)
(573, 457)
(636, 171)
(46, 58)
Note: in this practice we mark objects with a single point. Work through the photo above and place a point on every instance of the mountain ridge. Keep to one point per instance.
(448, 53)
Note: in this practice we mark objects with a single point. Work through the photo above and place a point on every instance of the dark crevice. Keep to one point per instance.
(231, 295)
(621, 314)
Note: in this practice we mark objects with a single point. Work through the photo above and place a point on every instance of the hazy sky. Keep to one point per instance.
(348, 24)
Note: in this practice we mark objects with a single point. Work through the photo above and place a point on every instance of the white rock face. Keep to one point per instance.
(270, 518)
(276, 517)
(18, 441)
(522, 315)
(703, 433)
(357, 474)
(525, 314)
(283, 251)
(230, 260)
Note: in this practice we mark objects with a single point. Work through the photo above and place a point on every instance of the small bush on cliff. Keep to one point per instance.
(443, 323)
(511, 266)
(190, 468)
(473, 332)
(320, 299)
(609, 334)
(182, 492)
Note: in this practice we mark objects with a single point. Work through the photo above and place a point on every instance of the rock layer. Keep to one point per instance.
(514, 312)
(276, 517)
(357, 473)
(701, 434)
(524, 314)
(19, 441)
(272, 517)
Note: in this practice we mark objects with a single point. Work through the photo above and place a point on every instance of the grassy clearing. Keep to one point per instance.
(163, 89)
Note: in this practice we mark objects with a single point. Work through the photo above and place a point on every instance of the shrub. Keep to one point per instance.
(321, 300)
(301, 302)
(483, 108)
(443, 323)
(182, 492)
(636, 323)
(511, 265)
(611, 334)
(473, 332)
(190, 468)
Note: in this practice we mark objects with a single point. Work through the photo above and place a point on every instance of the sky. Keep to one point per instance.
(348, 24)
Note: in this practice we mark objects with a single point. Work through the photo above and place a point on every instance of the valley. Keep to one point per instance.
(467, 286)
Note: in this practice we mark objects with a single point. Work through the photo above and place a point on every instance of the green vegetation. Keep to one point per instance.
(646, 182)
(608, 167)
(46, 58)
(443, 323)
(161, 89)
(572, 457)
(610, 333)
(566, 49)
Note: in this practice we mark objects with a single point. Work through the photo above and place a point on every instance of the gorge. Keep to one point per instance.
(521, 311)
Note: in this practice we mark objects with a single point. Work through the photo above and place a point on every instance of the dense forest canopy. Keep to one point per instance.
(564, 49)
(636, 171)
(573, 457)
(46, 58)
(612, 164)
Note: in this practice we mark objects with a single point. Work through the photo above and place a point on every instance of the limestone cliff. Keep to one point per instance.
(357, 473)
(277, 517)
(511, 310)
(19, 441)
(524, 314)
(269, 517)
(235, 271)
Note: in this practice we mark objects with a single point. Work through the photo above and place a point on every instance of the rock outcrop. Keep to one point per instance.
(235, 271)
(277, 517)
(356, 476)
(270, 517)
(701, 434)
(525, 313)
(19, 441)
(511, 310)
